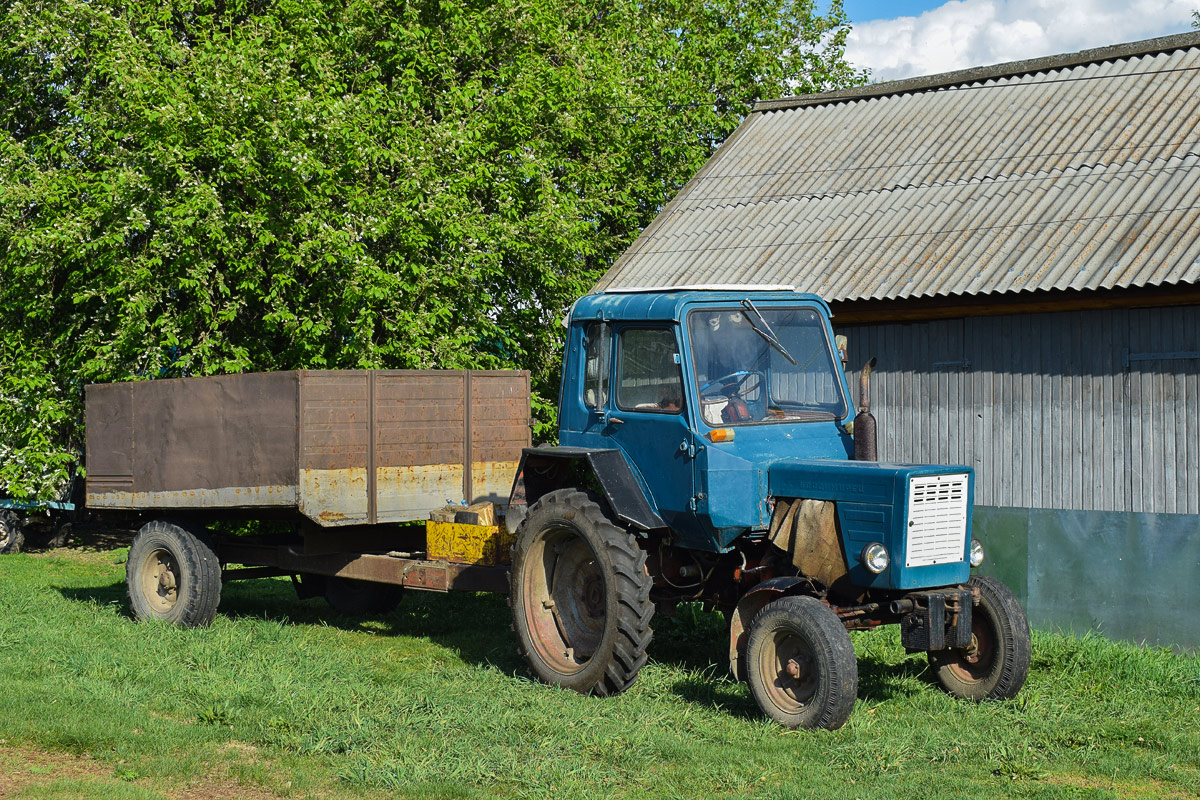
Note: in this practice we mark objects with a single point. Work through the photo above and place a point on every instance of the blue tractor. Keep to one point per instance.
(706, 453)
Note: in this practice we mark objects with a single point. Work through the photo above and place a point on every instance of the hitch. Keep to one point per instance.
(934, 620)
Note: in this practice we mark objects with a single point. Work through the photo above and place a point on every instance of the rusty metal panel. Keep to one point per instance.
(419, 444)
(499, 430)
(342, 447)
(109, 414)
(223, 441)
(335, 434)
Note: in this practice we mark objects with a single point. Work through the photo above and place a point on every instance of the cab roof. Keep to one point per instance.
(659, 304)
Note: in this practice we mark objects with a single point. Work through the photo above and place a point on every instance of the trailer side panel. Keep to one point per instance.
(226, 441)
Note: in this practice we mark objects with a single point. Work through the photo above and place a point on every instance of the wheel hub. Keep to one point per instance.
(787, 657)
(160, 581)
(567, 599)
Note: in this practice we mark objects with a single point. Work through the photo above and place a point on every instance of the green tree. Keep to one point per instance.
(205, 186)
(1196, 19)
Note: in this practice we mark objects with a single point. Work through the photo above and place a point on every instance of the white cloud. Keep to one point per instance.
(970, 33)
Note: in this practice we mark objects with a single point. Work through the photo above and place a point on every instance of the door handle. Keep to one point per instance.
(615, 421)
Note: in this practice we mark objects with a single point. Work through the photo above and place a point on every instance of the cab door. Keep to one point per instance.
(645, 417)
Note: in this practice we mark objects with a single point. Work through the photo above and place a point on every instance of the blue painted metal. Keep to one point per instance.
(21, 505)
(872, 505)
(711, 494)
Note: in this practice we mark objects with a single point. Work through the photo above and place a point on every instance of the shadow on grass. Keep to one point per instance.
(476, 627)
(113, 594)
(880, 680)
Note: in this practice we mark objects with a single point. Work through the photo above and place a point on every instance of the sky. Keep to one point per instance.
(905, 38)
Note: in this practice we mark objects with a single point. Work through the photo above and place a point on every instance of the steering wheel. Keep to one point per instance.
(731, 385)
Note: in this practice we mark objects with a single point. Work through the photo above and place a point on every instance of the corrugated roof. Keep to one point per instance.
(1079, 171)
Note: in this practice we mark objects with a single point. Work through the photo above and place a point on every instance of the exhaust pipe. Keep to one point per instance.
(865, 448)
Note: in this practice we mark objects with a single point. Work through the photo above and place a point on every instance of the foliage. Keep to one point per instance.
(286, 698)
(1196, 19)
(207, 186)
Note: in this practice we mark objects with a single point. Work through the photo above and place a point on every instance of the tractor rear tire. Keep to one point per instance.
(800, 664)
(994, 666)
(12, 535)
(172, 575)
(580, 596)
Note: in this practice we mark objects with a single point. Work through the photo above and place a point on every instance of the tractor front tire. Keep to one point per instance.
(172, 575)
(994, 666)
(800, 664)
(580, 596)
(12, 534)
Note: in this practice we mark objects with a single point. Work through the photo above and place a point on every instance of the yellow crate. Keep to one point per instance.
(487, 545)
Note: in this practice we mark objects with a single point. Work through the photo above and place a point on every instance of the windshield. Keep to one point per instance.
(745, 377)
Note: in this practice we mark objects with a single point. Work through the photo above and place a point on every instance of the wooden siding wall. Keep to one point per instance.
(1090, 410)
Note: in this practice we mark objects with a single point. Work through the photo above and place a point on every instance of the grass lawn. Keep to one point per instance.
(284, 698)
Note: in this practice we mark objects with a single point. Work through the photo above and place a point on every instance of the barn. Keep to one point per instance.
(1019, 246)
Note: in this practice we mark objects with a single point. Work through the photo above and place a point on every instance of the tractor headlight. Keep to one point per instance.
(976, 552)
(875, 557)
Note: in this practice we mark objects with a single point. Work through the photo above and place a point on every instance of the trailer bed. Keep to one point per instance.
(339, 447)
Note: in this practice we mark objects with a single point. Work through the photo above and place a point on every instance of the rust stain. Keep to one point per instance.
(333, 496)
(226, 497)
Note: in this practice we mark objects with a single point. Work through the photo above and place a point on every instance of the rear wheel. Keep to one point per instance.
(172, 575)
(994, 666)
(580, 596)
(800, 664)
(12, 535)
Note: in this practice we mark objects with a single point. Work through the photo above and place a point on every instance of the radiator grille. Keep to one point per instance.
(937, 519)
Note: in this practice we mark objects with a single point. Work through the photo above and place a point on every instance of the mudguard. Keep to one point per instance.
(748, 606)
(544, 469)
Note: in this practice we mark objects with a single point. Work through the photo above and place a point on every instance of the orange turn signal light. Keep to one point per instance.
(721, 435)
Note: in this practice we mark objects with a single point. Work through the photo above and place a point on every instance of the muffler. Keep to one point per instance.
(865, 447)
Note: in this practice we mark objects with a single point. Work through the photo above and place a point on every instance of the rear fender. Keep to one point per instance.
(751, 603)
(545, 469)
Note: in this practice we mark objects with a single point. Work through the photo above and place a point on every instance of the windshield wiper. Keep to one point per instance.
(765, 331)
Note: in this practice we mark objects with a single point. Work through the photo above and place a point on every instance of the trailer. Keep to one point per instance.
(343, 459)
(707, 451)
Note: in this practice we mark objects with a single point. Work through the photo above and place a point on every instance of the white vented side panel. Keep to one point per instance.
(937, 519)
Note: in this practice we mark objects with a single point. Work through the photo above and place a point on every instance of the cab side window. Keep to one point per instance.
(596, 364)
(649, 376)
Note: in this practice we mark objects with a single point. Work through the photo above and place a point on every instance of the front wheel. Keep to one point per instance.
(800, 664)
(172, 575)
(580, 596)
(994, 666)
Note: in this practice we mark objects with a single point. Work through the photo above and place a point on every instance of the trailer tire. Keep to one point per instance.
(800, 664)
(996, 663)
(580, 596)
(12, 535)
(359, 598)
(172, 575)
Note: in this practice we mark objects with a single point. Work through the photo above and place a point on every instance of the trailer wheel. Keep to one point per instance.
(580, 596)
(994, 666)
(361, 598)
(12, 537)
(800, 664)
(172, 575)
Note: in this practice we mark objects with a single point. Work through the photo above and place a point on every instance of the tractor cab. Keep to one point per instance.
(701, 390)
